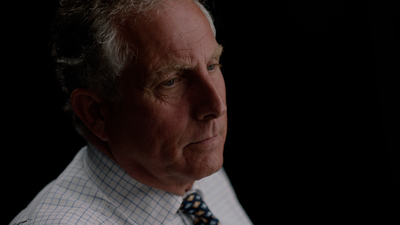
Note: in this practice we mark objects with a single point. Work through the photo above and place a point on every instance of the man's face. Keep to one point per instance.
(171, 120)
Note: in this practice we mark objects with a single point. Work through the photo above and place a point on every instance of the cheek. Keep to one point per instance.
(151, 129)
(169, 129)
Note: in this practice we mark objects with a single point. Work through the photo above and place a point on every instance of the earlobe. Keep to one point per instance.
(87, 106)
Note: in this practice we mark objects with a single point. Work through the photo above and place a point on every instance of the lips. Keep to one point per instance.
(206, 143)
(206, 140)
(210, 139)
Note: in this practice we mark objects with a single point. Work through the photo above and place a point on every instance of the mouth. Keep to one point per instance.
(210, 141)
(205, 141)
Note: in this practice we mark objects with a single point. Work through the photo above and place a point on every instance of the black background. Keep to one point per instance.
(313, 108)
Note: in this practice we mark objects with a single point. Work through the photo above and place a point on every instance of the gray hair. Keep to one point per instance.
(89, 48)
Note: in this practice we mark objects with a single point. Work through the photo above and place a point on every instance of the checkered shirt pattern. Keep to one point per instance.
(93, 189)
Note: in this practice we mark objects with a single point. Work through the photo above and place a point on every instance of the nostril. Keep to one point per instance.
(211, 109)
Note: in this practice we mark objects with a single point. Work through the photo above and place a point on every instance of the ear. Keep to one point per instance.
(87, 107)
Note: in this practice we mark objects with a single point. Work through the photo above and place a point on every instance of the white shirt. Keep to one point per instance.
(93, 189)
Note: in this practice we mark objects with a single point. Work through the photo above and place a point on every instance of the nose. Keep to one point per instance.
(210, 100)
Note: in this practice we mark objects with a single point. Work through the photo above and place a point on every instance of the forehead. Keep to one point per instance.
(177, 30)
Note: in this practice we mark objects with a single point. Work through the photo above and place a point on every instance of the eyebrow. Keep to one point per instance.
(218, 52)
(176, 66)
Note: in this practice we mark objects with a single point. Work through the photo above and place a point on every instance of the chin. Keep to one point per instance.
(204, 166)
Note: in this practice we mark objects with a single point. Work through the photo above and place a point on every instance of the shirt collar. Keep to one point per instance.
(136, 200)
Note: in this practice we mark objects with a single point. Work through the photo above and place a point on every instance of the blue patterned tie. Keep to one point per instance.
(193, 204)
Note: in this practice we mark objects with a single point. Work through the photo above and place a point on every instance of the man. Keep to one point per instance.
(147, 93)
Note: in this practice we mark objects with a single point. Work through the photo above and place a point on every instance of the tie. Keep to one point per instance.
(193, 204)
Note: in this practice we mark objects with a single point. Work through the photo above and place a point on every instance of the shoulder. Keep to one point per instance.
(51, 206)
(71, 199)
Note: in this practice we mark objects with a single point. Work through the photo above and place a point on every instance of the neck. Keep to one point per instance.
(167, 183)
(172, 184)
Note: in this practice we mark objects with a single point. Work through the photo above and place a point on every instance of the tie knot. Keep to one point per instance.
(193, 204)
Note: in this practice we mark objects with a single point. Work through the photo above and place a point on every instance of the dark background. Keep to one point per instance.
(312, 96)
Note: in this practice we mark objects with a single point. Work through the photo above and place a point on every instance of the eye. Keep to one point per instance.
(212, 66)
(170, 83)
